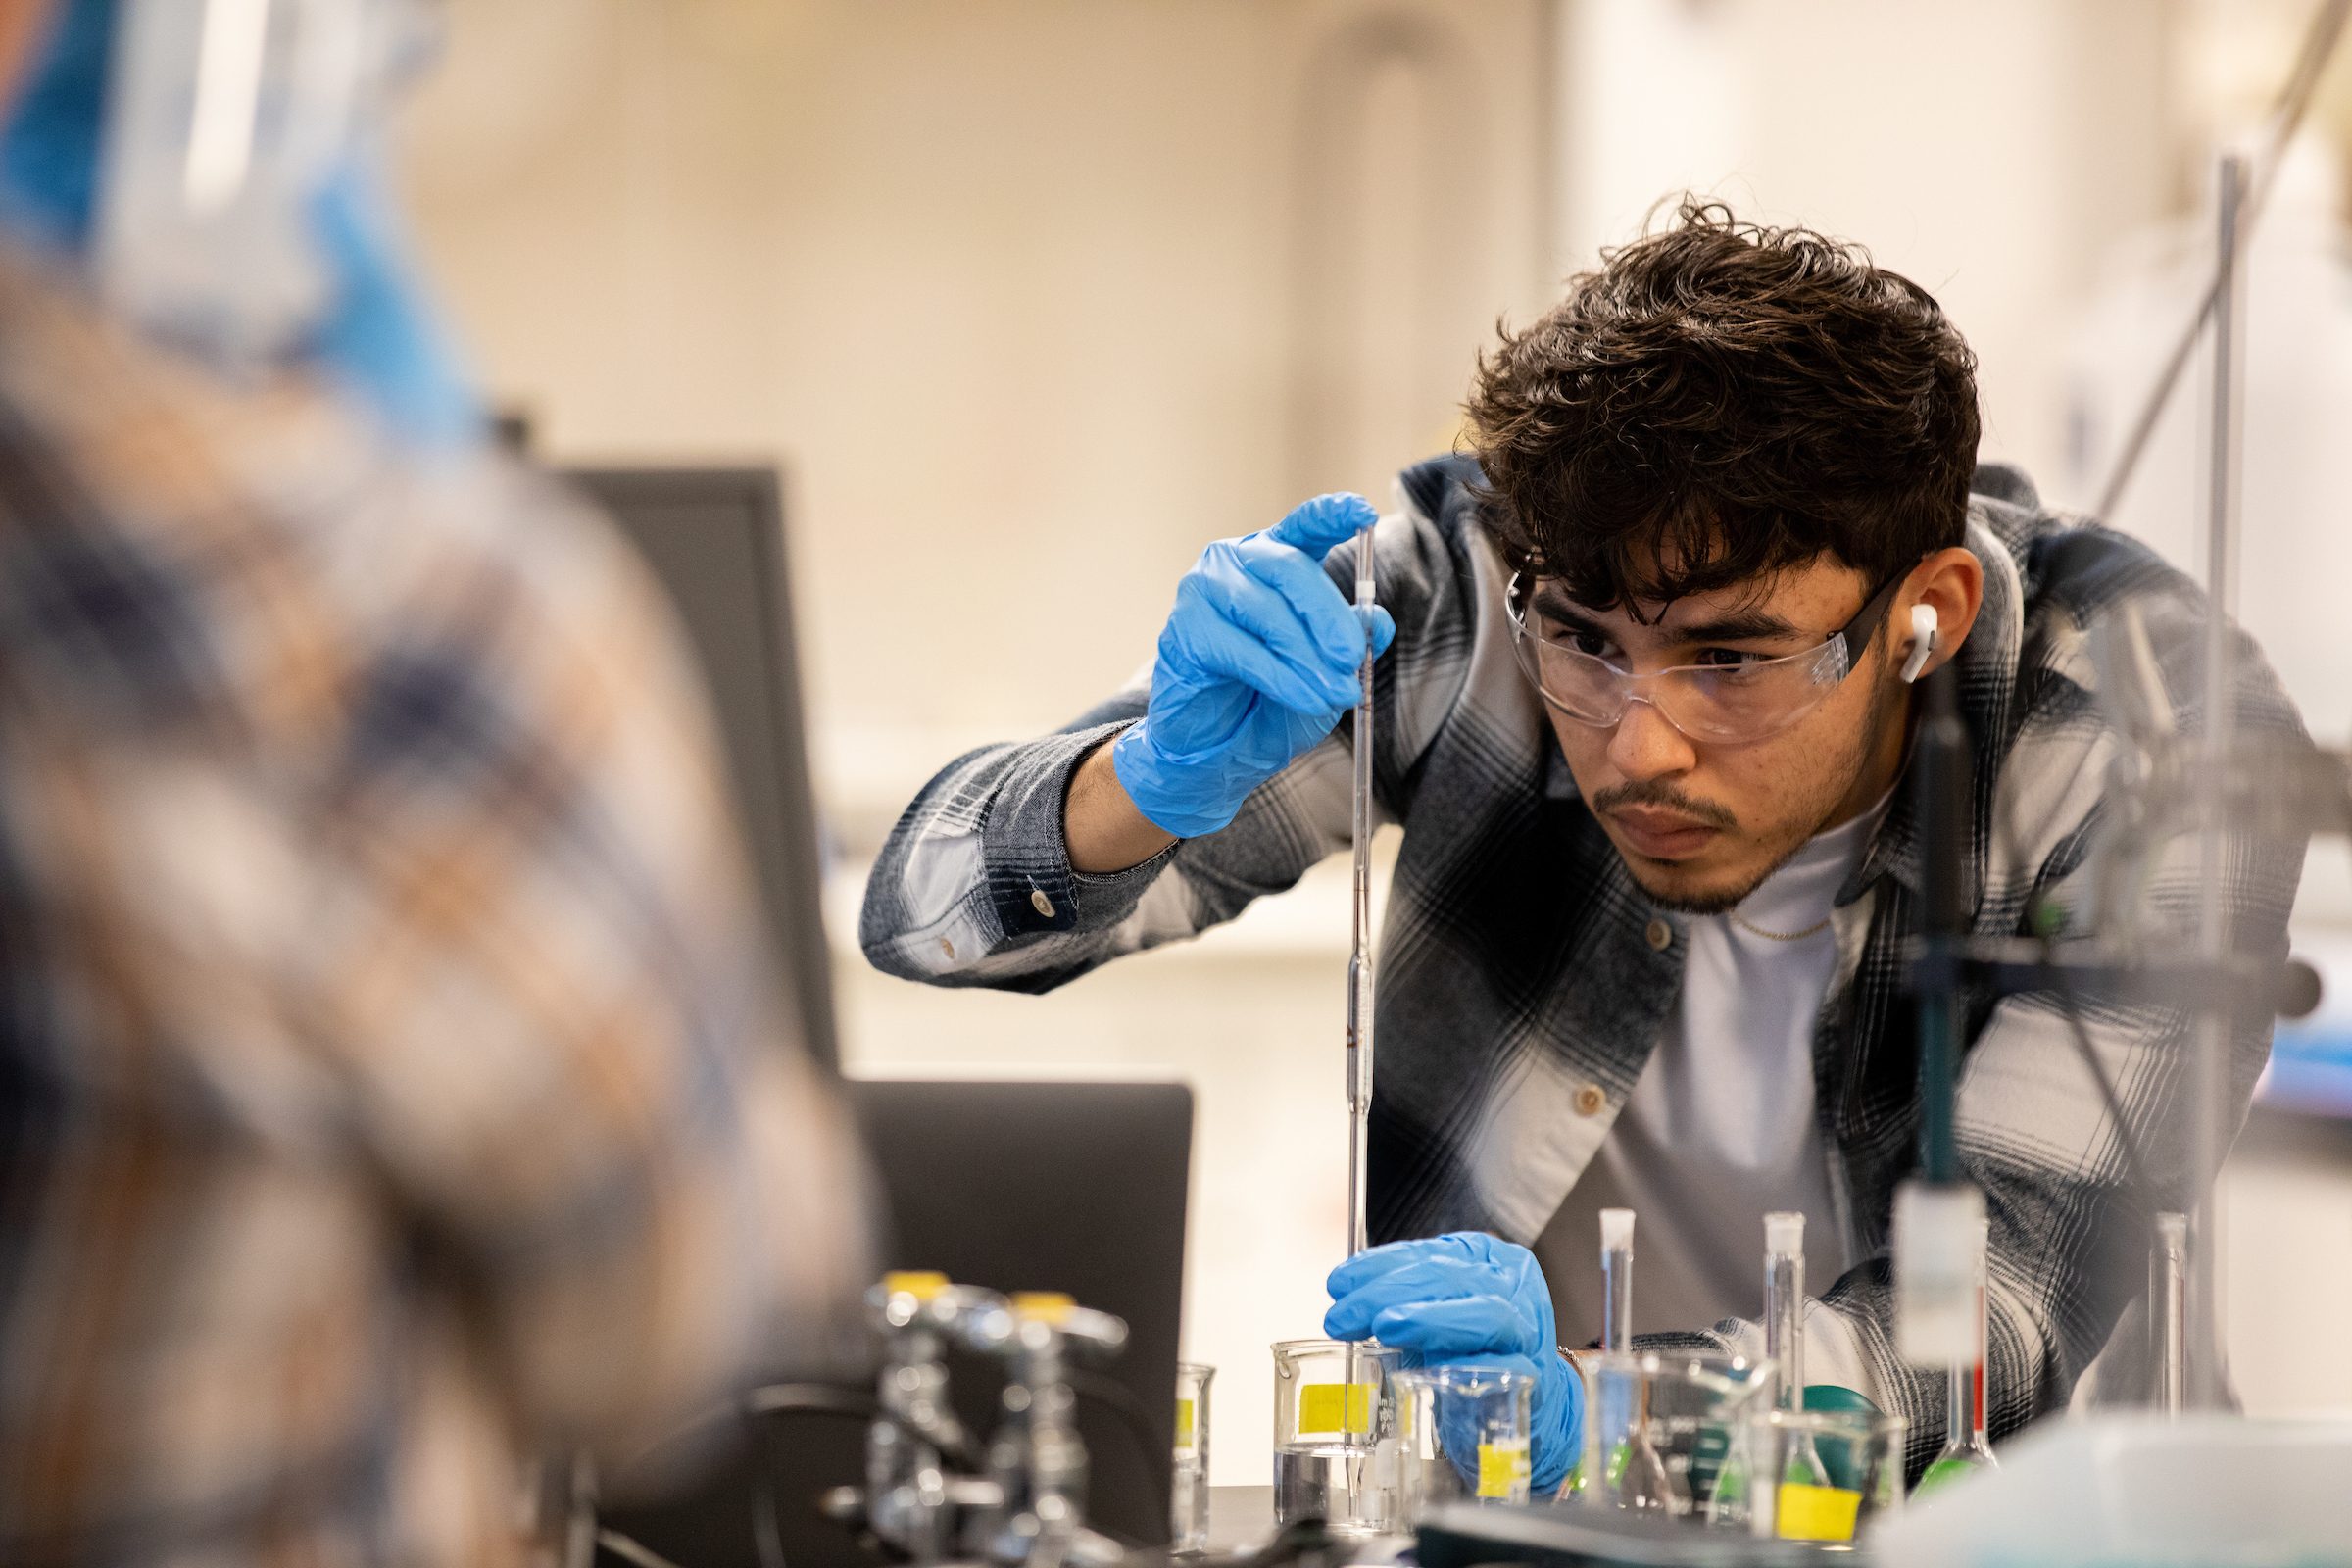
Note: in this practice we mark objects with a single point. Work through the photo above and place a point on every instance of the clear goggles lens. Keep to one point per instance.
(1726, 704)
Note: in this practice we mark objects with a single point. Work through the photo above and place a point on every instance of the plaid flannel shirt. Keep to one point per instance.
(379, 986)
(1523, 976)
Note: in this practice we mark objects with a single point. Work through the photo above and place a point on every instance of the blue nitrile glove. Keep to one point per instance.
(381, 336)
(1468, 1299)
(1257, 663)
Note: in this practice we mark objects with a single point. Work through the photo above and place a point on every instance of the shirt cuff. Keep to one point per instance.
(1032, 888)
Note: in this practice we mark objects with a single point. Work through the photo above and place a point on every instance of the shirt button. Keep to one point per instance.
(1039, 903)
(1660, 934)
(1589, 1099)
(947, 946)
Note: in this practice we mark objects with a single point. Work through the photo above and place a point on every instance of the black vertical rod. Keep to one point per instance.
(1942, 778)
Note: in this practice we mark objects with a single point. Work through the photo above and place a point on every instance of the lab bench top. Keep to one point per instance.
(1240, 1517)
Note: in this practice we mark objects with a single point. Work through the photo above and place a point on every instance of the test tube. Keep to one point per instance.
(1617, 1280)
(1784, 1305)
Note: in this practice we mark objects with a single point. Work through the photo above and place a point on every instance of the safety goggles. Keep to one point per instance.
(1721, 704)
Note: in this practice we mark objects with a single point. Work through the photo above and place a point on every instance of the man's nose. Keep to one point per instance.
(1644, 746)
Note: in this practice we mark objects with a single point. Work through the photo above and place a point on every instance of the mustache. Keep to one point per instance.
(1657, 791)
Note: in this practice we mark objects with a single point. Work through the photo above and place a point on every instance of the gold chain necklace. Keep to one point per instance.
(1822, 924)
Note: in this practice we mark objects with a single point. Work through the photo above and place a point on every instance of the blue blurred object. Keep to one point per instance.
(1257, 663)
(381, 336)
(49, 145)
(1468, 1299)
(375, 333)
(2309, 1072)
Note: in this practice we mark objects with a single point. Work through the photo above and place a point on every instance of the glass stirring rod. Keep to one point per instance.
(1359, 951)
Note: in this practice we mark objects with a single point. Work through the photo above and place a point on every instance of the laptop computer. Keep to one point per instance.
(1013, 1185)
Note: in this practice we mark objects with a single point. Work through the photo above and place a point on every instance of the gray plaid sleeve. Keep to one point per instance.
(975, 888)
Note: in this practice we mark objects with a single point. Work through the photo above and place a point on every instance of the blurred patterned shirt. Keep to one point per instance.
(387, 1073)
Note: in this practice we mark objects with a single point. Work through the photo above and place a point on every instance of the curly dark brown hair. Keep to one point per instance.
(1721, 400)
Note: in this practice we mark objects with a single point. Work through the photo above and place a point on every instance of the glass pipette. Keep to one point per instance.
(1359, 964)
(1359, 951)
(1617, 1280)
(1967, 1442)
(2167, 1311)
(1636, 1472)
(1785, 1334)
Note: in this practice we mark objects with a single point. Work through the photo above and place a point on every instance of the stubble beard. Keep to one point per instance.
(1721, 900)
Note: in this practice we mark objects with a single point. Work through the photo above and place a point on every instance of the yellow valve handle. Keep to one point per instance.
(1041, 1306)
(920, 1283)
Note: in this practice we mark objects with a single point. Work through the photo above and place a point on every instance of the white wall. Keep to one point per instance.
(1033, 297)
(1023, 294)
(1989, 151)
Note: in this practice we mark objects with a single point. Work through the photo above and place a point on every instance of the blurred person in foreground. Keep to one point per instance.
(389, 1085)
(1647, 674)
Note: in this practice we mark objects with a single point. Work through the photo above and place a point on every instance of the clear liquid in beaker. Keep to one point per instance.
(1188, 1510)
(1350, 1488)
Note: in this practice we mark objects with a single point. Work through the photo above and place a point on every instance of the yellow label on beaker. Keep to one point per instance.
(1184, 1423)
(1502, 1468)
(1817, 1513)
(1335, 1407)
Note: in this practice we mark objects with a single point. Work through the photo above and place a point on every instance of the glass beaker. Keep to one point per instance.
(1462, 1434)
(1659, 1423)
(1187, 1491)
(1815, 1476)
(1335, 1434)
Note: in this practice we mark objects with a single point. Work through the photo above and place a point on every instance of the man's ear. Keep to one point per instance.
(1950, 586)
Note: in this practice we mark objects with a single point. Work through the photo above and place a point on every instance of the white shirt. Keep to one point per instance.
(1720, 1130)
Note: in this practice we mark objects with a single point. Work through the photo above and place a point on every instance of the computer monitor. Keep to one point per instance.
(714, 537)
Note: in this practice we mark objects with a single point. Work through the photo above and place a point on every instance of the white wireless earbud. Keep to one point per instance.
(1923, 641)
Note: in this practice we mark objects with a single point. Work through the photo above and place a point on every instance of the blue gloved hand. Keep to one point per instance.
(1468, 1299)
(1257, 663)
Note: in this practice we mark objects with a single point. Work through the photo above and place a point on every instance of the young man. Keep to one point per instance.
(1646, 686)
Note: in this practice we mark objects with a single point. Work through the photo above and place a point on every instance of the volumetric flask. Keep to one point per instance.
(1187, 1492)
(1335, 1434)
(1462, 1434)
(1817, 1476)
(1659, 1424)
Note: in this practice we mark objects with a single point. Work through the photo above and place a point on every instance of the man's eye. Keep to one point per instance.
(1584, 642)
(1729, 658)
